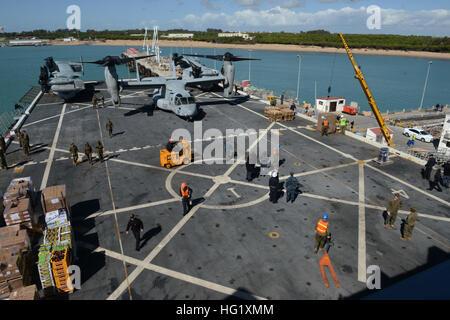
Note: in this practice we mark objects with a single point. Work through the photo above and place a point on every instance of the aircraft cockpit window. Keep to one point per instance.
(185, 100)
(191, 100)
(76, 68)
(178, 101)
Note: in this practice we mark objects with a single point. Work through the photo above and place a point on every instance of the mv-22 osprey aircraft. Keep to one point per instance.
(64, 77)
(171, 93)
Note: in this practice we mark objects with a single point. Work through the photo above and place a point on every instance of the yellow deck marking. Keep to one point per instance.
(274, 235)
(19, 169)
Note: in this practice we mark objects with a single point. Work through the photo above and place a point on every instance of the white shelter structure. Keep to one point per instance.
(330, 104)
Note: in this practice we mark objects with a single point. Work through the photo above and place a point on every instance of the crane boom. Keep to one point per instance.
(360, 77)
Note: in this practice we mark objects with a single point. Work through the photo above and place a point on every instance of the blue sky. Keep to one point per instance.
(397, 17)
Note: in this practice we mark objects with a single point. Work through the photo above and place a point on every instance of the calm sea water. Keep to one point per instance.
(395, 82)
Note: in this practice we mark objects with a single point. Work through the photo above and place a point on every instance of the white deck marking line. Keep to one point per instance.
(48, 104)
(350, 156)
(52, 117)
(301, 174)
(52, 150)
(120, 108)
(175, 274)
(234, 192)
(114, 209)
(162, 168)
(136, 207)
(361, 228)
(410, 185)
(370, 206)
(305, 136)
(178, 226)
(433, 238)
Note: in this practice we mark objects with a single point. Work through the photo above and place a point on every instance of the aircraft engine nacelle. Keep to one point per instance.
(112, 83)
(228, 73)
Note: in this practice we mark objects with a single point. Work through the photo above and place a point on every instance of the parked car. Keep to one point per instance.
(421, 135)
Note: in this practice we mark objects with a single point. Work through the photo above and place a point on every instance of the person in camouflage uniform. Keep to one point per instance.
(109, 127)
(102, 99)
(410, 222)
(94, 102)
(25, 143)
(74, 151)
(88, 152)
(392, 209)
(19, 136)
(99, 148)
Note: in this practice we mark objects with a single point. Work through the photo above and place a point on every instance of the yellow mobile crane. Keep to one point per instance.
(369, 96)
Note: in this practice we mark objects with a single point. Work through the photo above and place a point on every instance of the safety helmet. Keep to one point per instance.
(274, 174)
(325, 216)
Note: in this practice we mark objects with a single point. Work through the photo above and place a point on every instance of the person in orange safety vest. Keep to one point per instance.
(324, 127)
(186, 194)
(322, 233)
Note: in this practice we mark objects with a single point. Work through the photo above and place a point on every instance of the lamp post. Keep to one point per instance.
(215, 66)
(249, 63)
(298, 80)
(425, 85)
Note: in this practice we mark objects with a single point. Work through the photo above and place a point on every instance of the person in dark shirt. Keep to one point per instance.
(274, 183)
(137, 227)
(446, 177)
(170, 145)
(429, 166)
(292, 185)
(250, 167)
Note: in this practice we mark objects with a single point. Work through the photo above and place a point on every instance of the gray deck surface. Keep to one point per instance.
(222, 248)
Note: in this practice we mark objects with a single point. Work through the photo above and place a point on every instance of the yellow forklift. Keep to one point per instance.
(272, 100)
(176, 158)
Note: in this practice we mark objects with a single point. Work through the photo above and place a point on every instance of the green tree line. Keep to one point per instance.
(320, 38)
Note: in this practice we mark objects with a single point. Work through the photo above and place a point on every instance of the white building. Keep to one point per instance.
(330, 104)
(180, 35)
(69, 39)
(375, 135)
(444, 143)
(234, 34)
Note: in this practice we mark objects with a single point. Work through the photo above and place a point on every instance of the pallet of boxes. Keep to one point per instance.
(16, 261)
(56, 252)
(17, 202)
(332, 121)
(279, 113)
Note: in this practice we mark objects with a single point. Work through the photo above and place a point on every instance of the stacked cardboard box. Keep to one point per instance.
(17, 202)
(9, 271)
(273, 113)
(18, 212)
(279, 113)
(13, 241)
(13, 236)
(24, 293)
(58, 240)
(53, 198)
(331, 117)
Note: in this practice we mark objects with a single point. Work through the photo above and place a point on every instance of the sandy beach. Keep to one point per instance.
(261, 46)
